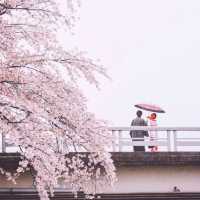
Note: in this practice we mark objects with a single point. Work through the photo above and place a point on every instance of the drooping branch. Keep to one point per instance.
(41, 103)
(8, 120)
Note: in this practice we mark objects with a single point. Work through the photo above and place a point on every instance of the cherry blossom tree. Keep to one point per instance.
(42, 109)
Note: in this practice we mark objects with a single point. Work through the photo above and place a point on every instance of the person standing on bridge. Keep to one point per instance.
(138, 135)
(153, 134)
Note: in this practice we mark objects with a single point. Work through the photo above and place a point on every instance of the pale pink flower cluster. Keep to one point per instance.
(42, 109)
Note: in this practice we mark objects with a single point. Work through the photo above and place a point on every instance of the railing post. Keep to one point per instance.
(175, 140)
(168, 141)
(113, 141)
(3, 143)
(120, 140)
(60, 144)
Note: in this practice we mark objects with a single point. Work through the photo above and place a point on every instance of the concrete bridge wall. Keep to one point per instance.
(137, 172)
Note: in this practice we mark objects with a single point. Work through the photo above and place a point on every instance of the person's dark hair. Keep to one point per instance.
(139, 113)
(154, 114)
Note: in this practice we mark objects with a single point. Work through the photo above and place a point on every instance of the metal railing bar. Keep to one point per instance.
(155, 128)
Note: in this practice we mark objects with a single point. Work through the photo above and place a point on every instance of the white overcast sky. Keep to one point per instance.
(151, 49)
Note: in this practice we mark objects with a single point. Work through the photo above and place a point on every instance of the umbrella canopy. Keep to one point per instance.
(150, 107)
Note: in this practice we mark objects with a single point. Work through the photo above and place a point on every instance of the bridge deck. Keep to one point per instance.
(10, 160)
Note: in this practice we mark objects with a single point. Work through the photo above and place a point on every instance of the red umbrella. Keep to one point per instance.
(150, 107)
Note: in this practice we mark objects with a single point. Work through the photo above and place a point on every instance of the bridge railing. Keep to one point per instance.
(168, 138)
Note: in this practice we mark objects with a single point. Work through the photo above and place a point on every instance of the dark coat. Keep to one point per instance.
(138, 133)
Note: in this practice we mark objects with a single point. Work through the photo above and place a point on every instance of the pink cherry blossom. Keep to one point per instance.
(42, 109)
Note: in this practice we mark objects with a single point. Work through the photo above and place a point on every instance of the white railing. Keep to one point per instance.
(169, 138)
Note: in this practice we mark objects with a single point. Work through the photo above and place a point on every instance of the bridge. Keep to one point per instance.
(170, 139)
(141, 175)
